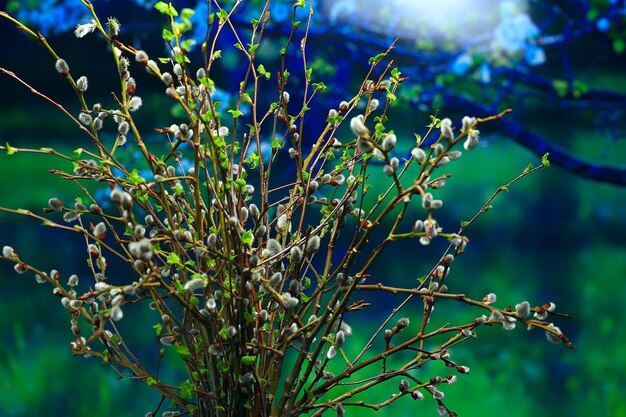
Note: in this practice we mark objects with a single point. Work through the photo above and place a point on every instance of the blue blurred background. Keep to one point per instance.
(559, 235)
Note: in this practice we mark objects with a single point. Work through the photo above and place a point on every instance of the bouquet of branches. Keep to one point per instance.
(256, 276)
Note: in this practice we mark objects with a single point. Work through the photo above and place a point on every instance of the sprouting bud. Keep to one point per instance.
(463, 369)
(167, 340)
(141, 57)
(285, 97)
(427, 200)
(417, 395)
(332, 352)
(403, 322)
(389, 142)
(231, 332)
(551, 307)
(454, 155)
(20, 268)
(274, 247)
(468, 123)
(523, 309)
(55, 204)
(496, 315)
(313, 244)
(72, 280)
(296, 254)
(438, 395)
(120, 197)
(178, 70)
(85, 29)
(419, 154)
(340, 338)
(116, 313)
(403, 386)
(282, 223)
(123, 128)
(388, 170)
(201, 73)
(446, 129)
(551, 336)
(134, 103)
(254, 211)
(82, 84)
(8, 252)
(509, 323)
(339, 410)
(447, 260)
(472, 139)
(364, 145)
(290, 302)
(114, 27)
(167, 78)
(358, 127)
(100, 231)
(194, 284)
(374, 104)
(332, 113)
(62, 67)
(442, 410)
(85, 118)
(343, 106)
(489, 298)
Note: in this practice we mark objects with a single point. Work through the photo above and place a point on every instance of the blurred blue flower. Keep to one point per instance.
(51, 16)
(603, 24)
(199, 22)
(535, 55)
(484, 73)
(513, 34)
(461, 64)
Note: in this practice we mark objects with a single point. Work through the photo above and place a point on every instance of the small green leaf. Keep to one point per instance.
(158, 328)
(166, 8)
(10, 149)
(173, 259)
(276, 144)
(167, 35)
(222, 367)
(187, 44)
(619, 45)
(248, 360)
(376, 59)
(222, 15)
(528, 168)
(186, 389)
(151, 381)
(561, 87)
(183, 351)
(545, 161)
(247, 238)
(235, 113)
(186, 13)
